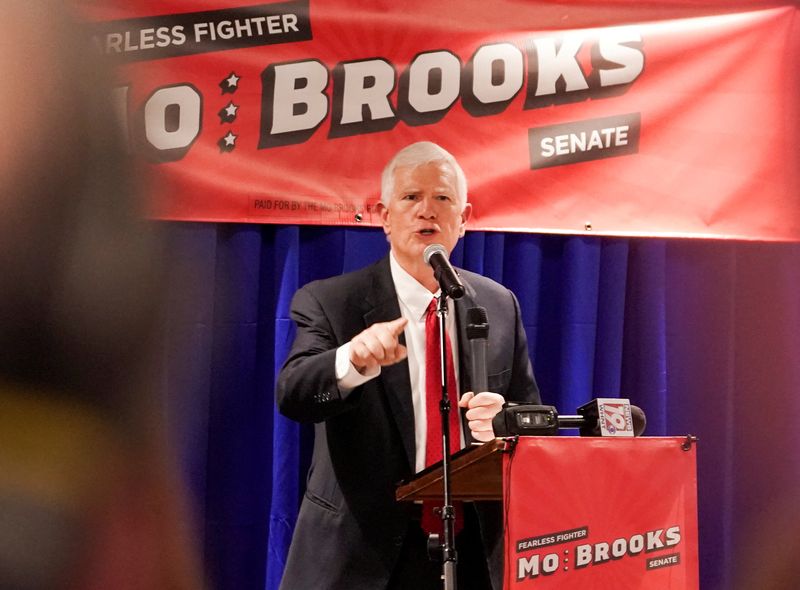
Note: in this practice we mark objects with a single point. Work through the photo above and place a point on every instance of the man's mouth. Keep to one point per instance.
(427, 232)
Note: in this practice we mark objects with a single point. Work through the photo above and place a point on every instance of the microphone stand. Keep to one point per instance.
(448, 550)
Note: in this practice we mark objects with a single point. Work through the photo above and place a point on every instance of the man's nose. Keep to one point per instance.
(426, 208)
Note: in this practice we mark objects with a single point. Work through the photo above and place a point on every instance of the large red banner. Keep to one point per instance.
(595, 513)
(676, 118)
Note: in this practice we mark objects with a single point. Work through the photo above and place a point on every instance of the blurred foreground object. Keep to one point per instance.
(87, 495)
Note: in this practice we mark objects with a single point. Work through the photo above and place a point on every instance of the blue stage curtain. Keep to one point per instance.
(703, 335)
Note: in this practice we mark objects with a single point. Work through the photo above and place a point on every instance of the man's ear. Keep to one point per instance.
(465, 215)
(383, 212)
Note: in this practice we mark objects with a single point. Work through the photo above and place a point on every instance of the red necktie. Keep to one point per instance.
(432, 522)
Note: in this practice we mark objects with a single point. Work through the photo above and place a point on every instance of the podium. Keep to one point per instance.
(584, 513)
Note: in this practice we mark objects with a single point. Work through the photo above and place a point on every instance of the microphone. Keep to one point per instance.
(609, 417)
(477, 333)
(435, 255)
(606, 417)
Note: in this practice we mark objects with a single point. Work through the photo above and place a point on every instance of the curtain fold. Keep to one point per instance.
(703, 335)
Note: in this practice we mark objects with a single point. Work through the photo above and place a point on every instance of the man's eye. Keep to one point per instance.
(443, 197)
(409, 197)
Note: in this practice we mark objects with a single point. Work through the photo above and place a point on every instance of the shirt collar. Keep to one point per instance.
(409, 290)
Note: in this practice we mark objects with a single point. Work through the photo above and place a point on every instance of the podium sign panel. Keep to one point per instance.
(601, 513)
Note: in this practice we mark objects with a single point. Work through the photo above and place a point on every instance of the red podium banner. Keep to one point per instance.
(595, 514)
(665, 118)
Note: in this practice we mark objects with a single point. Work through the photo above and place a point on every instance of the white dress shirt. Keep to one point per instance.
(414, 300)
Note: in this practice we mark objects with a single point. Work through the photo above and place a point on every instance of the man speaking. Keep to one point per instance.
(364, 365)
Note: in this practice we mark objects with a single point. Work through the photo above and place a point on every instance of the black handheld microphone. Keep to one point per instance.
(599, 417)
(606, 417)
(435, 255)
(477, 333)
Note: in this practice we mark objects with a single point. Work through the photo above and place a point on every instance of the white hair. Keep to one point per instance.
(417, 154)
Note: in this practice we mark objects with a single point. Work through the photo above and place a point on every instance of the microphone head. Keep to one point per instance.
(431, 250)
(639, 420)
(598, 425)
(477, 323)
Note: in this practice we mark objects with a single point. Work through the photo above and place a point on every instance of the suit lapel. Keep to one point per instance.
(382, 306)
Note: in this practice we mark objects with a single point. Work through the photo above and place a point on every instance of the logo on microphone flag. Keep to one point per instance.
(614, 417)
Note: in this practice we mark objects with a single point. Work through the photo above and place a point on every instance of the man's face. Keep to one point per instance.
(423, 209)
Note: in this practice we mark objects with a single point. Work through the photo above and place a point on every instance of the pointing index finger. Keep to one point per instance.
(397, 326)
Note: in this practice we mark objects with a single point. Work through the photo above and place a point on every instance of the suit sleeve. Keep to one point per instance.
(307, 388)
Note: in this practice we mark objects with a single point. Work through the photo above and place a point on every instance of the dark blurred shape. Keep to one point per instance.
(87, 499)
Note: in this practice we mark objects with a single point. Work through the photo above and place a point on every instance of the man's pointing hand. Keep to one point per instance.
(378, 345)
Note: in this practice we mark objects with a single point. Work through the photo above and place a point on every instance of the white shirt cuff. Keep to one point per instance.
(347, 376)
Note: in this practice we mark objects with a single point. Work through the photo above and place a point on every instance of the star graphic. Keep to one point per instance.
(228, 113)
(230, 84)
(227, 143)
